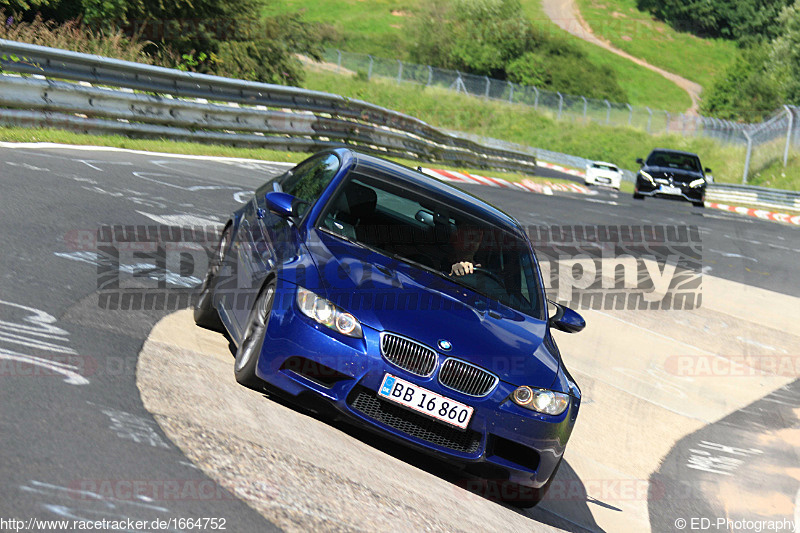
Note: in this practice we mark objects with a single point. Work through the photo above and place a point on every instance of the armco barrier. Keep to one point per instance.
(122, 97)
(172, 103)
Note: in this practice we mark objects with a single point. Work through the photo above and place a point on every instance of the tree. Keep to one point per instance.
(784, 58)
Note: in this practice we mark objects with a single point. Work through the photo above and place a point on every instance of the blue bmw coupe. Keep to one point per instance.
(412, 308)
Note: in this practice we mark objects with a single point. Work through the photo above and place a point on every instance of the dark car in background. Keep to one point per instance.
(672, 174)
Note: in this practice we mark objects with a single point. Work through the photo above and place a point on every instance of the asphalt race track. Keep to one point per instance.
(130, 414)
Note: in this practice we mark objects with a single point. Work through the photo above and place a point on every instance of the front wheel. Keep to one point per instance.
(250, 348)
(637, 196)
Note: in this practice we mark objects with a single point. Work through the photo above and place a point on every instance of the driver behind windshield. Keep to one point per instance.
(465, 242)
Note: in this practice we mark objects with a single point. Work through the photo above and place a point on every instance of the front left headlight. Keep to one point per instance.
(647, 176)
(326, 313)
(541, 400)
(696, 183)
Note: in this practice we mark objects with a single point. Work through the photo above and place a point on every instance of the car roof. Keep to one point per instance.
(604, 163)
(673, 152)
(444, 191)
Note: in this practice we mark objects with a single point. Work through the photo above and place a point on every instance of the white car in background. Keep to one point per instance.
(602, 173)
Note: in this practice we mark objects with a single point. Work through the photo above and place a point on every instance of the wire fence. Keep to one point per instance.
(763, 144)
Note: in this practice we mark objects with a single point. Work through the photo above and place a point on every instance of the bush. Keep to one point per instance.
(491, 38)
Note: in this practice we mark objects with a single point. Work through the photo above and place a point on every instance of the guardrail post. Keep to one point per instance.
(536, 99)
(666, 126)
(747, 157)
(788, 135)
(338, 60)
(399, 71)
(630, 114)
(585, 105)
(608, 111)
(430, 76)
(560, 104)
(683, 124)
(486, 92)
(369, 71)
(510, 92)
(649, 118)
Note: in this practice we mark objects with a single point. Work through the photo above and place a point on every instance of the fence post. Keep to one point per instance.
(486, 92)
(369, 72)
(510, 92)
(649, 118)
(536, 99)
(788, 135)
(585, 105)
(430, 76)
(683, 125)
(666, 126)
(399, 71)
(338, 60)
(608, 112)
(560, 104)
(747, 157)
(630, 114)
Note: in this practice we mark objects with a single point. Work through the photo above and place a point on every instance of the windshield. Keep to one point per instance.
(602, 166)
(417, 228)
(673, 160)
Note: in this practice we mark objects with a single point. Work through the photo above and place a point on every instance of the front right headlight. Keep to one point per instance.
(541, 400)
(326, 313)
(647, 176)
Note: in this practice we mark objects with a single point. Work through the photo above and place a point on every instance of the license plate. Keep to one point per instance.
(666, 189)
(424, 401)
(603, 180)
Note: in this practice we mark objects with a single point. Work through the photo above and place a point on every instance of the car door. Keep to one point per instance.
(272, 239)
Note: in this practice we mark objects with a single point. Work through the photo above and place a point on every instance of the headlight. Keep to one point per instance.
(541, 400)
(324, 312)
(647, 176)
(696, 183)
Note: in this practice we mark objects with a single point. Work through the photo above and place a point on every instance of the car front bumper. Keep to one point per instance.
(503, 440)
(646, 188)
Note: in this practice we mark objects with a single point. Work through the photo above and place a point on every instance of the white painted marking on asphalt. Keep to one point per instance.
(598, 201)
(733, 255)
(27, 166)
(760, 345)
(68, 371)
(88, 148)
(136, 428)
(138, 269)
(181, 220)
(39, 487)
(243, 196)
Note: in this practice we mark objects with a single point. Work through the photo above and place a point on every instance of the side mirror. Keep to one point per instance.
(280, 203)
(640, 161)
(707, 170)
(566, 320)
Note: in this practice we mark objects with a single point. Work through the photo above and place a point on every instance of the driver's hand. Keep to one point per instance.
(462, 268)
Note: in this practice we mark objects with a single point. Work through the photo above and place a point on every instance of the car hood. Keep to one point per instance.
(390, 295)
(679, 174)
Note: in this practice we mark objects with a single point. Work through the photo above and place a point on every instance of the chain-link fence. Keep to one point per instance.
(765, 143)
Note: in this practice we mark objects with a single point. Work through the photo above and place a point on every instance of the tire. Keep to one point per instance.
(244, 368)
(637, 196)
(205, 314)
(699, 204)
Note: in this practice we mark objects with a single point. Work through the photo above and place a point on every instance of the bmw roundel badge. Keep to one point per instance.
(445, 345)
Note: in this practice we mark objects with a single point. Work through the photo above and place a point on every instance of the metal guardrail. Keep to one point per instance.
(175, 104)
(758, 196)
(122, 97)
